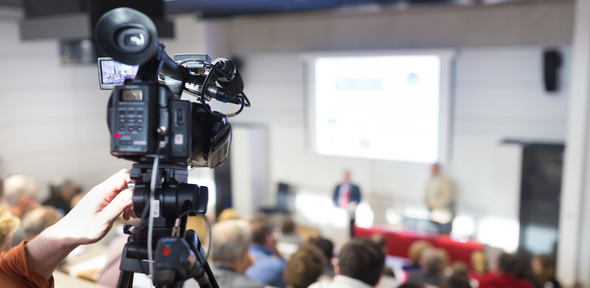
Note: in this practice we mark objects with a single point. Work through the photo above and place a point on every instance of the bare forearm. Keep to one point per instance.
(46, 251)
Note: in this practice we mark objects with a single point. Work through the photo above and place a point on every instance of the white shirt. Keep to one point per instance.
(340, 281)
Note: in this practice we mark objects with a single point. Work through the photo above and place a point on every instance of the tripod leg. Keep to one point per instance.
(125, 279)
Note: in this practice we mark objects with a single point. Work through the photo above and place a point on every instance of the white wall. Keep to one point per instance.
(52, 118)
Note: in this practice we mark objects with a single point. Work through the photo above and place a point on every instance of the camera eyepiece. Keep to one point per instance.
(127, 35)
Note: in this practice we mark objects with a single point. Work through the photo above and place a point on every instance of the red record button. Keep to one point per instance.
(166, 251)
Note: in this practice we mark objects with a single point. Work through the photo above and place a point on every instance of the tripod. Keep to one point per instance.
(179, 254)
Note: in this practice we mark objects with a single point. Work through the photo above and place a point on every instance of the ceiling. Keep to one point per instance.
(226, 8)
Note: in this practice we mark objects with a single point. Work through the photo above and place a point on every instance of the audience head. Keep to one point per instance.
(75, 199)
(381, 241)
(262, 232)
(479, 262)
(416, 249)
(361, 259)
(543, 267)
(507, 263)
(305, 266)
(63, 188)
(230, 241)
(20, 194)
(8, 225)
(228, 214)
(455, 282)
(327, 248)
(411, 285)
(288, 226)
(37, 220)
(433, 261)
(460, 269)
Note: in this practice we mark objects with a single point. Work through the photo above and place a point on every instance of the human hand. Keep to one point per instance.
(91, 219)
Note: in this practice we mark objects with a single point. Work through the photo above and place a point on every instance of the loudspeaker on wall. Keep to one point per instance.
(551, 67)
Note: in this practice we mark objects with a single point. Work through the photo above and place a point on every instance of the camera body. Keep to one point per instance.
(141, 114)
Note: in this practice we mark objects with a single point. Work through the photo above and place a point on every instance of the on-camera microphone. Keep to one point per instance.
(228, 68)
(213, 91)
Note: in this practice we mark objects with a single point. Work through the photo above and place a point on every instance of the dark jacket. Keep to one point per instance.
(355, 194)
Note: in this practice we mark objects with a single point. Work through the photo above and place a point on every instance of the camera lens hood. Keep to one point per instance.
(127, 35)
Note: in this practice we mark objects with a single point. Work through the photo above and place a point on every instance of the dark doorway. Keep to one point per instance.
(542, 166)
(222, 176)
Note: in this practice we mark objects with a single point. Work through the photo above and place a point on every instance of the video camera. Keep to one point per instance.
(151, 125)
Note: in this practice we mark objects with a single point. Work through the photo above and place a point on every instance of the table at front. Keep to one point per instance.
(399, 242)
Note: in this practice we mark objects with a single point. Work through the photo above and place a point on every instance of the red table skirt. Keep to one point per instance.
(399, 242)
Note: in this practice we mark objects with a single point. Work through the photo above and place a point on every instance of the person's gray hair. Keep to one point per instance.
(18, 186)
(229, 240)
(433, 260)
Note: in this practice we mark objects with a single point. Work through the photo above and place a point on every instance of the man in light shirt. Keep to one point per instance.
(360, 264)
(347, 196)
(440, 200)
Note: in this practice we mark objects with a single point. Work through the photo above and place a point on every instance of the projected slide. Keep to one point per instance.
(384, 107)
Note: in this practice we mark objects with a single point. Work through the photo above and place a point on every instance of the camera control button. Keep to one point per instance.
(139, 128)
(130, 128)
(131, 120)
(139, 120)
(122, 120)
(122, 128)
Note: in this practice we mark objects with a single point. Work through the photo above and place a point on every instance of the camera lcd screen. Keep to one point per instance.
(131, 95)
(113, 73)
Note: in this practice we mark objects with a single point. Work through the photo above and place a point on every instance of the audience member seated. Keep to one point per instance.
(37, 220)
(455, 282)
(62, 190)
(411, 285)
(543, 267)
(109, 274)
(230, 240)
(381, 241)
(433, 264)
(305, 267)
(459, 277)
(269, 265)
(508, 269)
(360, 263)
(20, 194)
(414, 254)
(327, 248)
(228, 214)
(479, 265)
(8, 225)
(289, 232)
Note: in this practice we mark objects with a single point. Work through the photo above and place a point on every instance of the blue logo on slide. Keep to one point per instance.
(413, 79)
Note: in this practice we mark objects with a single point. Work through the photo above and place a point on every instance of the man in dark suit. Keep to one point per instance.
(347, 196)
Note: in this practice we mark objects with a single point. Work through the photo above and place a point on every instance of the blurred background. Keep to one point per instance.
(503, 112)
